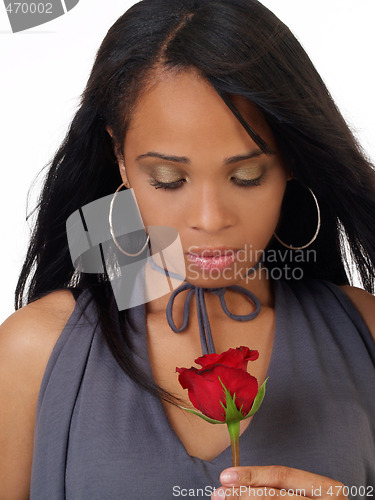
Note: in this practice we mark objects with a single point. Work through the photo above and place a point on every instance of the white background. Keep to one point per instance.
(44, 71)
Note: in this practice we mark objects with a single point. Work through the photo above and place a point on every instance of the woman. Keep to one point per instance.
(213, 115)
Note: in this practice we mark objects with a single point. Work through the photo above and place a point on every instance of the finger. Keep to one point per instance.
(303, 483)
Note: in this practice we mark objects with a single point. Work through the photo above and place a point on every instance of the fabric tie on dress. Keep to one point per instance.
(207, 342)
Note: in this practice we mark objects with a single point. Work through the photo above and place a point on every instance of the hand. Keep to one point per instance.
(276, 481)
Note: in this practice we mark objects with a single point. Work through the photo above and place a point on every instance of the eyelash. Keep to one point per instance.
(177, 184)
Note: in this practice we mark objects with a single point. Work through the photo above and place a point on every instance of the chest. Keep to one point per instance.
(168, 350)
(121, 439)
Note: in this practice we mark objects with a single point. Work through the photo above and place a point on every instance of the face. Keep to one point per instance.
(193, 167)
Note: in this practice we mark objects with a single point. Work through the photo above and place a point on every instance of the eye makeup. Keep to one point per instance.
(244, 176)
(165, 174)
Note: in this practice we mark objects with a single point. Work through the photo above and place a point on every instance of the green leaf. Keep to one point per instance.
(258, 400)
(201, 415)
(232, 414)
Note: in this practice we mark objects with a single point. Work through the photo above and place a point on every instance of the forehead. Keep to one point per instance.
(183, 108)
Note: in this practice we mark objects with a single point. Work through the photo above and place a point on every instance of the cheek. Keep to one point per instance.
(260, 212)
(155, 208)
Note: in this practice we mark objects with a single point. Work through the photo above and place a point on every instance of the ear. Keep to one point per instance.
(124, 177)
(289, 172)
(120, 159)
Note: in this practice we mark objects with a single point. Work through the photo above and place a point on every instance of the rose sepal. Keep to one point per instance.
(258, 400)
(232, 414)
(199, 414)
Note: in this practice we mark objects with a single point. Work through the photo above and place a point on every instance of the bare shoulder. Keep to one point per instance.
(365, 304)
(27, 339)
(28, 336)
(38, 324)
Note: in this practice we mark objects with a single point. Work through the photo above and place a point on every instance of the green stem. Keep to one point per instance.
(234, 432)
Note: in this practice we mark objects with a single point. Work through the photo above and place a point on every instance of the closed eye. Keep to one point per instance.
(250, 182)
(177, 184)
(167, 185)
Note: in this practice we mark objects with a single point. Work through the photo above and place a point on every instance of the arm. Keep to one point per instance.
(365, 304)
(27, 339)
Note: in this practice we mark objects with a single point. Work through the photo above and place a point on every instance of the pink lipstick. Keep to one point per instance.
(213, 258)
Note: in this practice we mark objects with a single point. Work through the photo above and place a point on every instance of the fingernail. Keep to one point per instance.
(228, 476)
(219, 494)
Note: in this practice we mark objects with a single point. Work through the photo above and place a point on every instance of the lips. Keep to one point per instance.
(209, 258)
(212, 252)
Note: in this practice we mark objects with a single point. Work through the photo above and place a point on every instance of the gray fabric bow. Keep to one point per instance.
(207, 342)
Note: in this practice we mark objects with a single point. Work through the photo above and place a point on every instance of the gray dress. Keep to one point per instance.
(98, 436)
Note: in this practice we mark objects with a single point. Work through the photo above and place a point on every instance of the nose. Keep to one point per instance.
(210, 210)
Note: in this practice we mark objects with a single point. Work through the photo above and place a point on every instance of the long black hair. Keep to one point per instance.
(243, 49)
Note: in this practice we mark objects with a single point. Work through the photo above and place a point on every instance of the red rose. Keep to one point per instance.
(205, 385)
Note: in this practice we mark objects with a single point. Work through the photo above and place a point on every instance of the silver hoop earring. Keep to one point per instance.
(112, 232)
(316, 232)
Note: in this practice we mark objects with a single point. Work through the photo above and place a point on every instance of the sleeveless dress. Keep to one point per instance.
(98, 436)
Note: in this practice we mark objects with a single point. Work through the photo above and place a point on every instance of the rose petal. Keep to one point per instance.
(187, 379)
(207, 393)
(235, 358)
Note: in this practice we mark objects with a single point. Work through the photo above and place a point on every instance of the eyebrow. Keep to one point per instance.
(186, 161)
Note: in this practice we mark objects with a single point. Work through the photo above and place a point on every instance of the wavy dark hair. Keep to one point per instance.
(241, 48)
